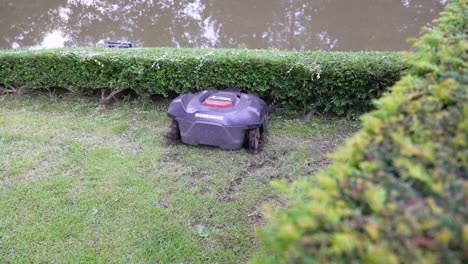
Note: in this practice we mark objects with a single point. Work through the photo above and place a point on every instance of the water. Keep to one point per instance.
(341, 25)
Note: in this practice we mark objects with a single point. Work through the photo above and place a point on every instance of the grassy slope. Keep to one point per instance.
(80, 183)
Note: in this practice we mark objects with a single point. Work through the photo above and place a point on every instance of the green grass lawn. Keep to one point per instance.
(79, 183)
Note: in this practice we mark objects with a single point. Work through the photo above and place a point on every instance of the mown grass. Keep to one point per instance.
(79, 183)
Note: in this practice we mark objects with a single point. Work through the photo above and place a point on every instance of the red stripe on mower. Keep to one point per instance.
(216, 103)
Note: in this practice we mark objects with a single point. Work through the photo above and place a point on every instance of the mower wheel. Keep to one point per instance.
(265, 126)
(174, 133)
(254, 139)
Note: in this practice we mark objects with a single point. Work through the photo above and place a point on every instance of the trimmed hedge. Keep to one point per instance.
(397, 191)
(340, 82)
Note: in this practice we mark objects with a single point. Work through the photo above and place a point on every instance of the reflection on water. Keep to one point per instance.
(284, 24)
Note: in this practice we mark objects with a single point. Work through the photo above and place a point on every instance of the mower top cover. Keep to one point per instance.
(228, 119)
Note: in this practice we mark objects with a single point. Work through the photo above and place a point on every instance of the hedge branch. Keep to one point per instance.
(110, 98)
(309, 115)
(73, 91)
(13, 90)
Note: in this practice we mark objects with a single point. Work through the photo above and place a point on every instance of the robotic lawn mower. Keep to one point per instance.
(228, 119)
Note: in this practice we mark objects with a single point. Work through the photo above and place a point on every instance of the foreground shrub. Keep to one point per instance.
(339, 82)
(396, 193)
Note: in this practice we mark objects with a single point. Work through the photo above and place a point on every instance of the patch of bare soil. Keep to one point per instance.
(251, 169)
(319, 149)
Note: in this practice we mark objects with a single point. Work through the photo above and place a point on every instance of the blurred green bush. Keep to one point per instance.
(397, 191)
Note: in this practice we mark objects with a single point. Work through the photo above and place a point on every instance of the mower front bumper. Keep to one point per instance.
(207, 133)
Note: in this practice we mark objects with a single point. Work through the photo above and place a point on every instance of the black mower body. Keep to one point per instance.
(218, 118)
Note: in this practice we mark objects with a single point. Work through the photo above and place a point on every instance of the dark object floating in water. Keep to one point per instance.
(119, 44)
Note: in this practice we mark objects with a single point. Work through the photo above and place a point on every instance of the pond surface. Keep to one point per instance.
(344, 25)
